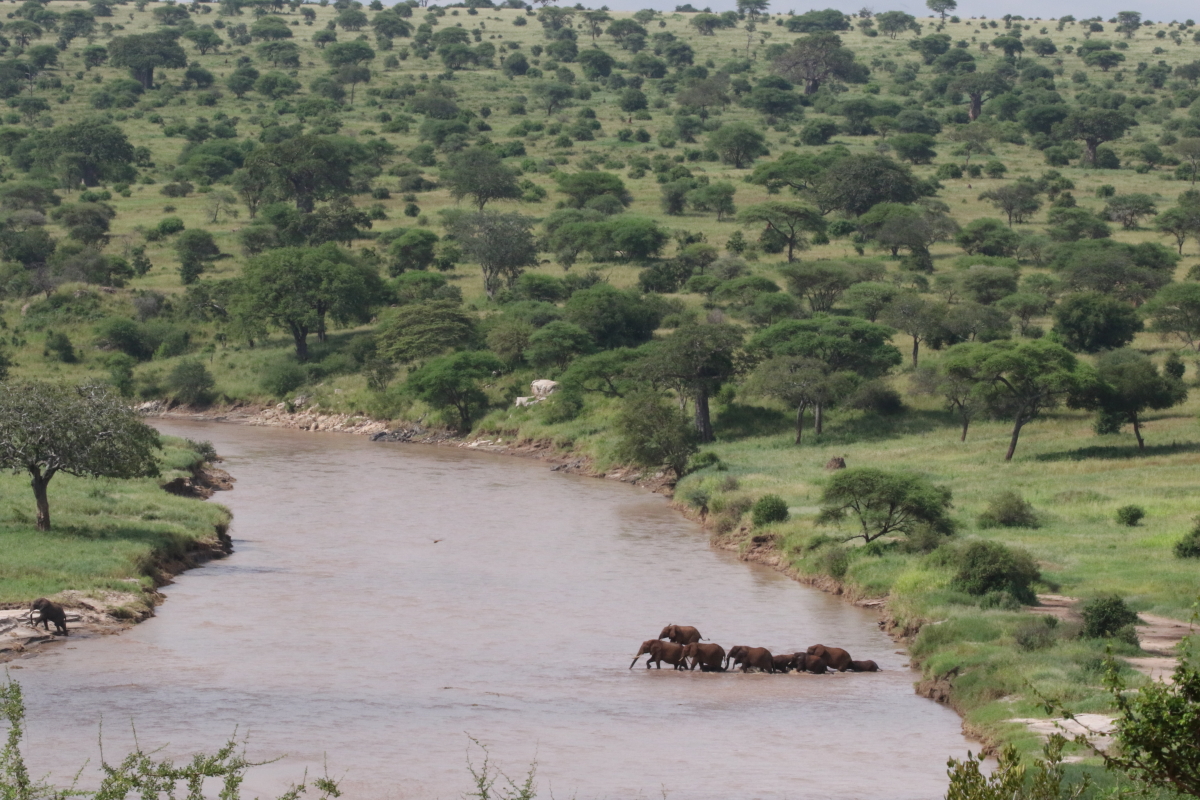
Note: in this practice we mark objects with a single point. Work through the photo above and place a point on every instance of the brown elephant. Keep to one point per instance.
(751, 658)
(680, 634)
(49, 611)
(817, 665)
(710, 657)
(864, 666)
(785, 663)
(661, 651)
(837, 658)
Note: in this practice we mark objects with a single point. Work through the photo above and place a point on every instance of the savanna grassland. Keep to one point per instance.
(425, 104)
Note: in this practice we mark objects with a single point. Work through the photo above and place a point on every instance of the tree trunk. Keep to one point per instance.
(1091, 151)
(39, 484)
(966, 422)
(321, 329)
(811, 85)
(976, 107)
(300, 337)
(916, 349)
(800, 423)
(1137, 431)
(1012, 445)
(703, 420)
(818, 417)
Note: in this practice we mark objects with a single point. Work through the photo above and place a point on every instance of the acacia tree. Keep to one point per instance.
(85, 431)
(816, 59)
(298, 288)
(503, 244)
(886, 502)
(789, 221)
(1129, 385)
(453, 382)
(801, 383)
(480, 173)
(145, 52)
(917, 316)
(1175, 311)
(695, 360)
(1019, 380)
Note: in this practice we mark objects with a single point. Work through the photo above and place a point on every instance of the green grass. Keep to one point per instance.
(108, 535)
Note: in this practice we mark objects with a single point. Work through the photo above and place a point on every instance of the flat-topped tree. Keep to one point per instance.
(481, 174)
(1130, 384)
(85, 431)
(940, 7)
(143, 53)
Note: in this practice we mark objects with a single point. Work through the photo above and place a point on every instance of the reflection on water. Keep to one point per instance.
(384, 601)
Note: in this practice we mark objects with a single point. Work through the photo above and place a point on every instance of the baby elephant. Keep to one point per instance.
(864, 666)
(49, 611)
(817, 665)
(785, 663)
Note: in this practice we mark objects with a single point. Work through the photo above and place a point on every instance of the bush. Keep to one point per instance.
(834, 561)
(1036, 634)
(1009, 510)
(985, 567)
(59, 346)
(1189, 545)
(769, 508)
(169, 225)
(703, 461)
(191, 382)
(653, 432)
(1108, 617)
(876, 397)
(562, 406)
(1130, 515)
(283, 377)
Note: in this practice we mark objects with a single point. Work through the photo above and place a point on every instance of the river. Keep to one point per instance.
(385, 602)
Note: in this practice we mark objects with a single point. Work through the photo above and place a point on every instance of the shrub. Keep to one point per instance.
(562, 406)
(1189, 545)
(59, 346)
(985, 567)
(769, 508)
(876, 397)
(834, 561)
(1009, 510)
(703, 461)
(1108, 617)
(283, 377)
(190, 382)
(169, 225)
(1130, 515)
(1036, 634)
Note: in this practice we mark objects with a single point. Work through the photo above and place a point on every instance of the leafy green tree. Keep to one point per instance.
(502, 244)
(978, 87)
(596, 63)
(1094, 127)
(453, 381)
(277, 52)
(714, 197)
(90, 151)
(271, 28)
(1073, 224)
(941, 7)
(418, 331)
(894, 226)
(552, 94)
(348, 54)
(94, 56)
(801, 383)
(73, 24)
(886, 503)
(299, 288)
(919, 317)
(738, 143)
(415, 249)
(1130, 272)
(1127, 209)
(1129, 385)
(1019, 380)
(894, 23)
(583, 187)
(191, 382)
(1011, 45)
(915, 148)
(606, 372)
(789, 221)
(869, 298)
(143, 53)
(988, 237)
(1175, 311)
(195, 248)
(85, 431)
(816, 59)
(204, 39)
(480, 173)
(822, 283)
(695, 360)
(306, 168)
(614, 318)
(1019, 200)
(557, 344)
(652, 433)
(1091, 321)
(856, 183)
(1181, 222)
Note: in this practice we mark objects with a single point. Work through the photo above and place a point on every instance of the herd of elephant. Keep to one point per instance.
(685, 649)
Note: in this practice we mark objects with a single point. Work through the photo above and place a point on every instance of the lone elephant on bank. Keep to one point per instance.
(710, 657)
(751, 658)
(49, 611)
(659, 652)
(680, 634)
(836, 657)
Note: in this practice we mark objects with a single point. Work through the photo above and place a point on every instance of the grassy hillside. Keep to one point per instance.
(1075, 479)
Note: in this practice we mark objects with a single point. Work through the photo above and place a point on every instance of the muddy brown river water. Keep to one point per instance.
(384, 602)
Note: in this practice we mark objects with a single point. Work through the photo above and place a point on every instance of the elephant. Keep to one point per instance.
(785, 663)
(710, 657)
(751, 658)
(49, 611)
(838, 658)
(864, 666)
(661, 651)
(680, 634)
(817, 665)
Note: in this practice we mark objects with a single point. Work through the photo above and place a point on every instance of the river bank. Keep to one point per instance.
(114, 544)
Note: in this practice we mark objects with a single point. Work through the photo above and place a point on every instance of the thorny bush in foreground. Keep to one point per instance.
(138, 774)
